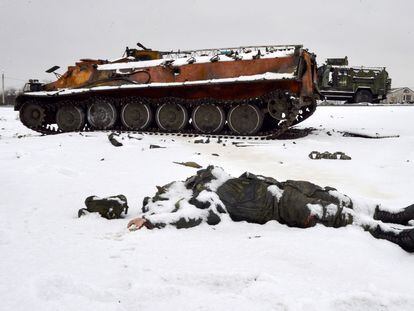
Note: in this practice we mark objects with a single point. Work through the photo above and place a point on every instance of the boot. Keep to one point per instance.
(401, 218)
(405, 238)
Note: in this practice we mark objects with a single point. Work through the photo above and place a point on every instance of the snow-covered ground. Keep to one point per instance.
(51, 260)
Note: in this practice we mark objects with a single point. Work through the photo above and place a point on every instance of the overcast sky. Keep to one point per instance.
(37, 34)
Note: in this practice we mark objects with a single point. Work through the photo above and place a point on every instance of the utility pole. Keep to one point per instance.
(3, 101)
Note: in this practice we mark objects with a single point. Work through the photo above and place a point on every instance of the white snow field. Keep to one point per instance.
(51, 260)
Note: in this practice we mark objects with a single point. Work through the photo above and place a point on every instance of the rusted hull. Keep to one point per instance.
(219, 91)
(261, 91)
(221, 70)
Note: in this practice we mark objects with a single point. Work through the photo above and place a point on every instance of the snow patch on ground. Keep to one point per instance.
(51, 260)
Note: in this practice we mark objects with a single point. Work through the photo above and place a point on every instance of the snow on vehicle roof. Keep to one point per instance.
(358, 68)
(249, 47)
(204, 56)
(264, 76)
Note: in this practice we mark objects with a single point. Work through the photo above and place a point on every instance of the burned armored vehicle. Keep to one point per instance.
(259, 90)
(338, 81)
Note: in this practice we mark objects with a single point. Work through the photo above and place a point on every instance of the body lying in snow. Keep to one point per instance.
(211, 196)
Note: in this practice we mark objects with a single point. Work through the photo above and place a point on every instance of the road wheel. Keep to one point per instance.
(245, 119)
(102, 114)
(136, 116)
(32, 115)
(70, 118)
(208, 118)
(363, 96)
(171, 117)
(279, 106)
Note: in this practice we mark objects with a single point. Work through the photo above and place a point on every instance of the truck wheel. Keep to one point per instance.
(363, 96)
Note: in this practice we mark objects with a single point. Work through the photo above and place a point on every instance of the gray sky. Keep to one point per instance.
(37, 34)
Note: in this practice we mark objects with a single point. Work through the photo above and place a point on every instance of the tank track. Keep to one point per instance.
(296, 115)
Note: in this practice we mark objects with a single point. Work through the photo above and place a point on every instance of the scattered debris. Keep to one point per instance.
(359, 135)
(294, 133)
(316, 155)
(113, 140)
(249, 143)
(199, 141)
(84, 135)
(215, 154)
(255, 237)
(103, 159)
(17, 135)
(156, 147)
(244, 145)
(132, 137)
(189, 164)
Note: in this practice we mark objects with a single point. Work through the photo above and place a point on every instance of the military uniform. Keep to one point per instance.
(260, 199)
(251, 198)
(211, 195)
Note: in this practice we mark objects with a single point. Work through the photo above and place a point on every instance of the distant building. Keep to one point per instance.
(402, 95)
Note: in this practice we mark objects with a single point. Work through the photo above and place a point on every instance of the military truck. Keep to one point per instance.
(338, 81)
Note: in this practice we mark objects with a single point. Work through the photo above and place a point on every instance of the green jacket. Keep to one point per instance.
(211, 195)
